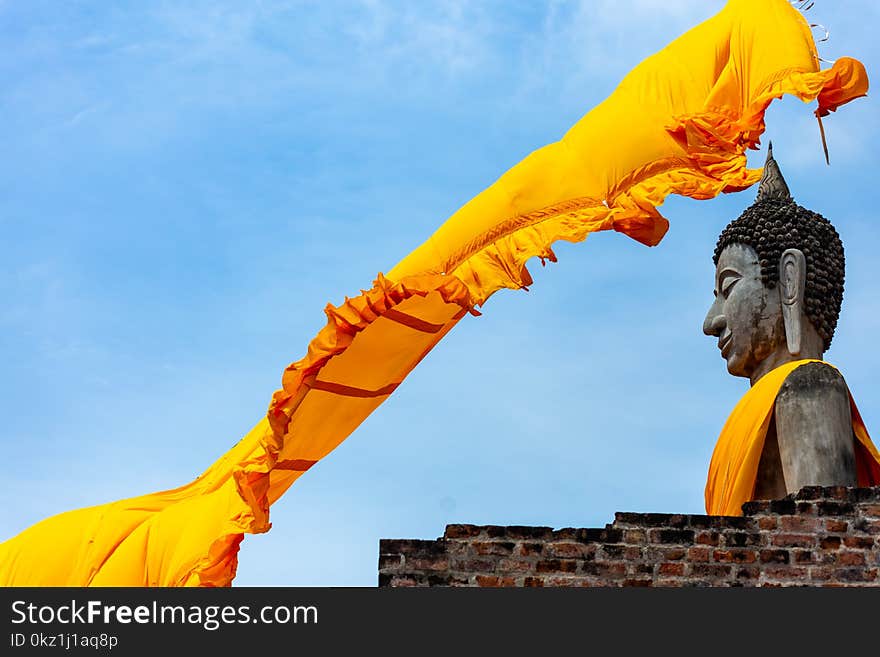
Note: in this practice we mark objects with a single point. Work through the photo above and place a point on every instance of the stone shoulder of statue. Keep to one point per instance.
(778, 292)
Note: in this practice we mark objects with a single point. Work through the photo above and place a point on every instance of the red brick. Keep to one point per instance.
(556, 566)
(790, 573)
(514, 566)
(674, 554)
(390, 561)
(734, 556)
(474, 565)
(426, 564)
(699, 554)
(802, 556)
(836, 525)
(612, 570)
(493, 581)
(798, 523)
(851, 559)
(403, 582)
(632, 553)
(638, 582)
(830, 543)
(767, 522)
(462, 531)
(708, 538)
(533, 581)
(870, 509)
(502, 548)
(671, 569)
(528, 549)
(635, 536)
(568, 550)
(793, 540)
(774, 556)
(860, 542)
(565, 581)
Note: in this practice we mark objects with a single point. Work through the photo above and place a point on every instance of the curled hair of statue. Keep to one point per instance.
(775, 223)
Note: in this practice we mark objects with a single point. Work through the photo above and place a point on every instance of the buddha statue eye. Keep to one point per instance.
(727, 285)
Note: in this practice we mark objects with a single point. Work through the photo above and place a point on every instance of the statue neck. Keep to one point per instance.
(812, 346)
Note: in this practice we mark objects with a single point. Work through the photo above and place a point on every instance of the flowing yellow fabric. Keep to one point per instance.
(733, 470)
(680, 123)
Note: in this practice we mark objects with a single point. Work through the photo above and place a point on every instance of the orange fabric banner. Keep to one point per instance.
(679, 123)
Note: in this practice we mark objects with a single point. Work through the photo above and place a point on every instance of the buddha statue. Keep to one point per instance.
(778, 291)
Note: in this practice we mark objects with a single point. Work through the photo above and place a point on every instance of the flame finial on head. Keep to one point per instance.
(772, 185)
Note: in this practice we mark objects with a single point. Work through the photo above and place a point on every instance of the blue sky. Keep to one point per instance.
(185, 186)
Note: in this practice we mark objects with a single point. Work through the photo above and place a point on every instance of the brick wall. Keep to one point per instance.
(818, 537)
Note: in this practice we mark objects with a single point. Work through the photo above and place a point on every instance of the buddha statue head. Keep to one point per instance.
(778, 282)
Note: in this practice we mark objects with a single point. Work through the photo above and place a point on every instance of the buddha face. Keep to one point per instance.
(746, 316)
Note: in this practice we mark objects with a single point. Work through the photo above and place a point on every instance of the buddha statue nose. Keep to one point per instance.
(714, 323)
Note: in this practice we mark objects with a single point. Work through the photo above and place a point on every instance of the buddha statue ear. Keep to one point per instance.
(792, 284)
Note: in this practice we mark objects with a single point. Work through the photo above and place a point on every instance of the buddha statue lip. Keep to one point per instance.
(724, 344)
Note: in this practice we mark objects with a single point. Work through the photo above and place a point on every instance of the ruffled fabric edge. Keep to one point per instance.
(344, 322)
(715, 142)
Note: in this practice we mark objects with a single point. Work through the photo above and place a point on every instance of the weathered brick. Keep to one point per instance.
(514, 565)
(598, 569)
(493, 547)
(521, 532)
(872, 510)
(529, 549)
(632, 553)
(643, 519)
(671, 569)
(834, 525)
(494, 581)
(711, 570)
(671, 536)
(851, 559)
(735, 555)
(556, 566)
(639, 569)
(641, 582)
(402, 582)
(755, 507)
(708, 538)
(802, 556)
(791, 573)
(774, 556)
(635, 536)
(805, 508)
(421, 563)
(474, 565)
(533, 581)
(798, 523)
(767, 522)
(834, 508)
(783, 507)
(830, 543)
(741, 539)
(462, 531)
(699, 554)
(414, 547)
(612, 551)
(568, 550)
(793, 540)
(390, 561)
(859, 542)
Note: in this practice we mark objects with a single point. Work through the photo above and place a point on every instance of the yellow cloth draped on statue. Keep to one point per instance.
(733, 470)
(679, 123)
